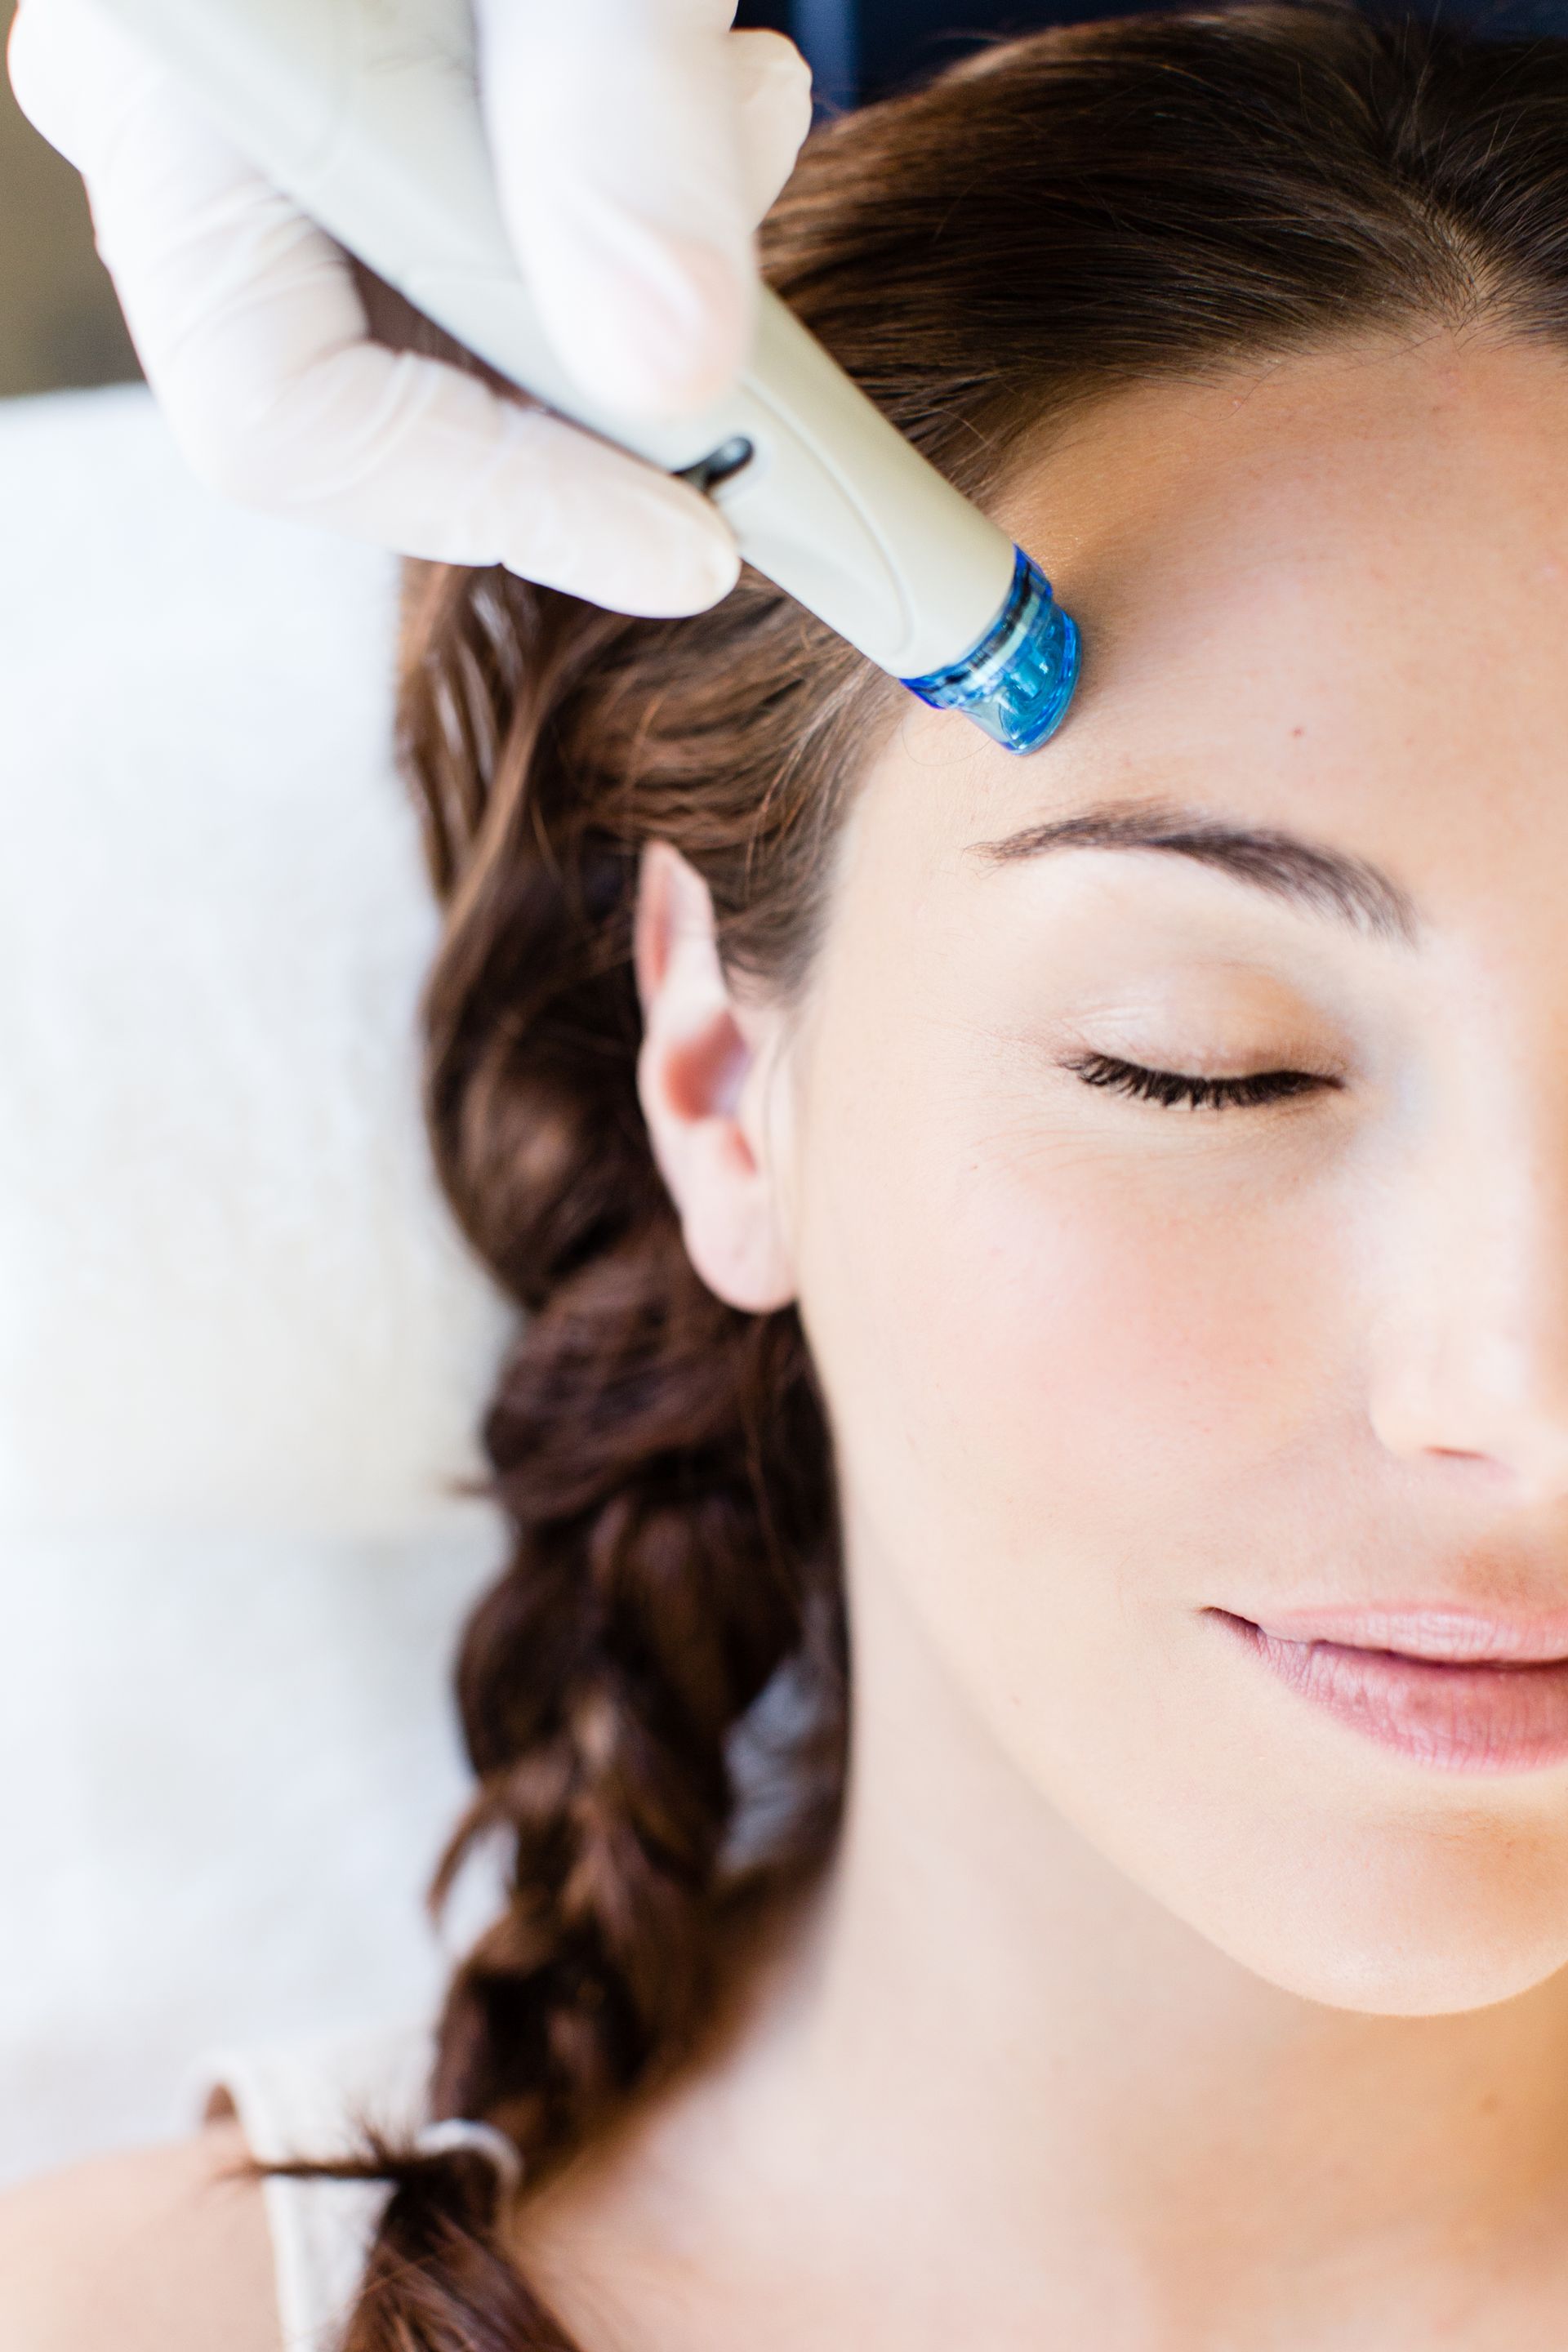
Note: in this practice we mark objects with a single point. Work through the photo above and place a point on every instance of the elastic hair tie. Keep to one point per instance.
(460, 2136)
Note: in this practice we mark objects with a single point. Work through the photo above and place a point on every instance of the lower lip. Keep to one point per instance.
(1456, 1719)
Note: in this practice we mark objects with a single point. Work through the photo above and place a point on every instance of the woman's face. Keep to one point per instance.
(1165, 1420)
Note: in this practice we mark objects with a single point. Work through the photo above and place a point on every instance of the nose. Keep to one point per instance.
(1470, 1352)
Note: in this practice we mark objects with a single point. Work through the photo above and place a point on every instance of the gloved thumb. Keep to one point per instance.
(637, 143)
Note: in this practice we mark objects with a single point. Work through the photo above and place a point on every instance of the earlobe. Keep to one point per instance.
(699, 1074)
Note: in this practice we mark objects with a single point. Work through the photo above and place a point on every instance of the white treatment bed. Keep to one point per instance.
(242, 1348)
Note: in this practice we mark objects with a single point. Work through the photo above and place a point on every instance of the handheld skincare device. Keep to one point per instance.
(366, 113)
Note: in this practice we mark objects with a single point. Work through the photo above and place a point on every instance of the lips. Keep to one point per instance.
(1456, 1690)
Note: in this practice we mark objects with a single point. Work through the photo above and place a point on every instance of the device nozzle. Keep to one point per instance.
(1017, 681)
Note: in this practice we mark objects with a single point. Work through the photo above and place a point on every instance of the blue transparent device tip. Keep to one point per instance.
(1017, 682)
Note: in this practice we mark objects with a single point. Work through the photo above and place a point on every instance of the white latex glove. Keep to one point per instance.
(638, 143)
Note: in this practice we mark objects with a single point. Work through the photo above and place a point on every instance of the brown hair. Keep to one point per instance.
(1142, 199)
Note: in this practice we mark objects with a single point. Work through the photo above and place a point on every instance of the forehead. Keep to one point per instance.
(1330, 593)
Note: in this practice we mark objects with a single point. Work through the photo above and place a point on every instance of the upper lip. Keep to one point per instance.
(1444, 1631)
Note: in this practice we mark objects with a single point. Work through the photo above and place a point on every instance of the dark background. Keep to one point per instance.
(862, 50)
(58, 321)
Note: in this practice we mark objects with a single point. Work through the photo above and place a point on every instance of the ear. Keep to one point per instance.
(703, 1079)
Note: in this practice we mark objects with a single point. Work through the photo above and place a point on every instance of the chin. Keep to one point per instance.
(1406, 1980)
(1410, 1931)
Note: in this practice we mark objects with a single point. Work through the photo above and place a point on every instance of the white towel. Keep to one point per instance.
(230, 1295)
(313, 2101)
(242, 1347)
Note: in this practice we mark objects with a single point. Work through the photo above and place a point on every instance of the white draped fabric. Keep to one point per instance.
(242, 1347)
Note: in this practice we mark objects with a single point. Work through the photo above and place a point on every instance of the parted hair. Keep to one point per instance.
(655, 1694)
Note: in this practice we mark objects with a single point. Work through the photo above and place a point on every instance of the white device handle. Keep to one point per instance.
(366, 113)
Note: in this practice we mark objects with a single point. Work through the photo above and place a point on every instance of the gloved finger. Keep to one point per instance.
(282, 401)
(412, 453)
(619, 143)
(770, 91)
(254, 337)
(772, 85)
(46, 90)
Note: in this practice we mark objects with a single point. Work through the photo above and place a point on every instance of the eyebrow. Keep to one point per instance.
(1309, 873)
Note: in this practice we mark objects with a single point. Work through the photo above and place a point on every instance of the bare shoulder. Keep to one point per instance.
(166, 2250)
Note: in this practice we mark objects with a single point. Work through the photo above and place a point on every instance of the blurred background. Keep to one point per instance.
(59, 323)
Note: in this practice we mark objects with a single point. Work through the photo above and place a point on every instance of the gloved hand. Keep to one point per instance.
(638, 143)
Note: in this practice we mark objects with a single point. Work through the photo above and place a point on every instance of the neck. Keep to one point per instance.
(990, 2039)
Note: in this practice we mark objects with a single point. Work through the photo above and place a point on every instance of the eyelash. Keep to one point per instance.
(1169, 1088)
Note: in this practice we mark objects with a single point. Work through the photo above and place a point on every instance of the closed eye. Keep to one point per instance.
(1171, 1088)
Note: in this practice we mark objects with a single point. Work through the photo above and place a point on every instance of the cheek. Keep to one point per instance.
(1077, 1354)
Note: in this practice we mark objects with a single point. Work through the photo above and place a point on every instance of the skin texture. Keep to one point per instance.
(1146, 2005)
(161, 2250)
